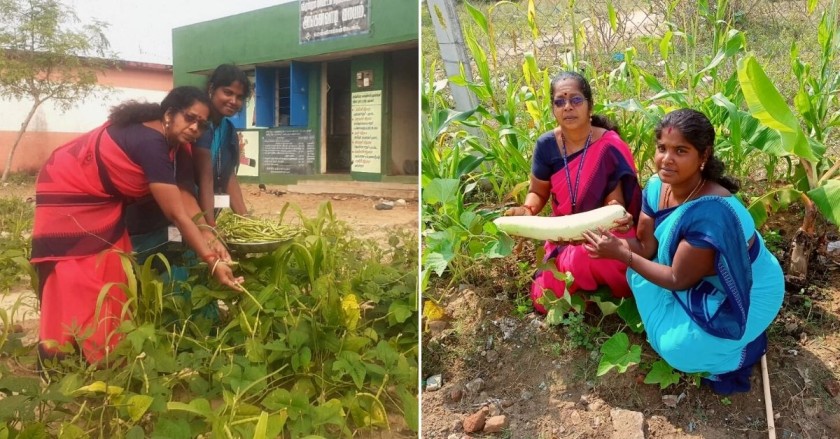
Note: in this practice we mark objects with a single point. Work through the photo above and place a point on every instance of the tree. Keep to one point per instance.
(47, 55)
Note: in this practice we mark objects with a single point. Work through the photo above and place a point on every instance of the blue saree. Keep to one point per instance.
(718, 325)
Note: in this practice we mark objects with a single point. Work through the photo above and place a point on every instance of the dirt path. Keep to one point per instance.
(357, 211)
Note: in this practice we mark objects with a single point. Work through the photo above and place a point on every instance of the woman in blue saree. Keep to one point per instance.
(705, 285)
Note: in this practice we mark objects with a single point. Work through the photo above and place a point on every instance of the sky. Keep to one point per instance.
(141, 30)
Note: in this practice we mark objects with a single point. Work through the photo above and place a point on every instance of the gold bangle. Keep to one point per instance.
(630, 259)
(213, 270)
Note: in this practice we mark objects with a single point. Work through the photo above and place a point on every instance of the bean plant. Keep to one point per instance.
(322, 342)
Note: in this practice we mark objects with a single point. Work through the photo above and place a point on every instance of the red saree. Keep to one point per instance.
(79, 233)
(607, 163)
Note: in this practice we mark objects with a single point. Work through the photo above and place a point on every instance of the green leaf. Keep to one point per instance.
(276, 423)
(99, 387)
(612, 15)
(441, 190)
(295, 404)
(21, 385)
(137, 405)
(769, 107)
(386, 353)
(35, 430)
(198, 406)
(827, 200)
(135, 432)
(14, 404)
(480, 58)
(554, 316)
(70, 431)
(603, 298)
(812, 4)
(140, 335)
(437, 262)
(171, 428)
(471, 221)
(330, 412)
(350, 363)
(302, 359)
(400, 311)
(628, 312)
(665, 46)
(410, 407)
(663, 374)
(254, 350)
(618, 353)
(261, 429)
(499, 247)
(771, 201)
(478, 17)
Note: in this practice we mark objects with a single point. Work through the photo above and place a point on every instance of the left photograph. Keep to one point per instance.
(209, 219)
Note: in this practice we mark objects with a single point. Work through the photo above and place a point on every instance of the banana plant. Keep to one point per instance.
(816, 182)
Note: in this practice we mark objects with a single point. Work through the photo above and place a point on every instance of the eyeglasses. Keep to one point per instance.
(190, 118)
(576, 101)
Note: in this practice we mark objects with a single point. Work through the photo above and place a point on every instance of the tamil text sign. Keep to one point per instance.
(324, 19)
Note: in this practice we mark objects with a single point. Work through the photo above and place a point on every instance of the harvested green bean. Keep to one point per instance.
(240, 229)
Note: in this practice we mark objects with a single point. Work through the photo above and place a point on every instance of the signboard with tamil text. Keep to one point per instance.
(366, 132)
(325, 19)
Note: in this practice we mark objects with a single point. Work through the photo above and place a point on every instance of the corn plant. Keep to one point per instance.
(445, 152)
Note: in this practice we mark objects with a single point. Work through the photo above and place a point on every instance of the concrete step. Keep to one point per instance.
(364, 188)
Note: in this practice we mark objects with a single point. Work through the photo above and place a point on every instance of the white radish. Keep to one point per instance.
(556, 228)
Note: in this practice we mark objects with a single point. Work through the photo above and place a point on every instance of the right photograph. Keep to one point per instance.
(629, 219)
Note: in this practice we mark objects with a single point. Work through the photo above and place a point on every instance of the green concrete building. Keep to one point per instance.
(335, 87)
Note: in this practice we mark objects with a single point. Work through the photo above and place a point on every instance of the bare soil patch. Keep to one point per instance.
(547, 388)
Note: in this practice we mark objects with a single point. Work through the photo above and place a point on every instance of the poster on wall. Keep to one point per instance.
(325, 19)
(249, 153)
(366, 132)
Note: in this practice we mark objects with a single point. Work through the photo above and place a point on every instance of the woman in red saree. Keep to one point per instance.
(581, 165)
(80, 232)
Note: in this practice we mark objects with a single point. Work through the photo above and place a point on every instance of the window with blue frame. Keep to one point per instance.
(281, 97)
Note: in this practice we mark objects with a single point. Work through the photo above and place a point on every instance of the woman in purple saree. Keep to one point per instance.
(581, 165)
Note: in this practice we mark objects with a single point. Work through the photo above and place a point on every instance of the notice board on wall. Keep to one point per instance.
(289, 152)
(366, 132)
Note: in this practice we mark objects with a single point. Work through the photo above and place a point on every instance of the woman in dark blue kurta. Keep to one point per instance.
(216, 155)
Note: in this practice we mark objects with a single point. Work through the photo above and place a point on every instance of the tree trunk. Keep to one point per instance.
(802, 247)
(22, 130)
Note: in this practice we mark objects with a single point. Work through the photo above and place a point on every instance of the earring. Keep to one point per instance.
(702, 165)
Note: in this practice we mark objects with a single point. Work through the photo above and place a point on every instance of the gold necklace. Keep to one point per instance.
(693, 191)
